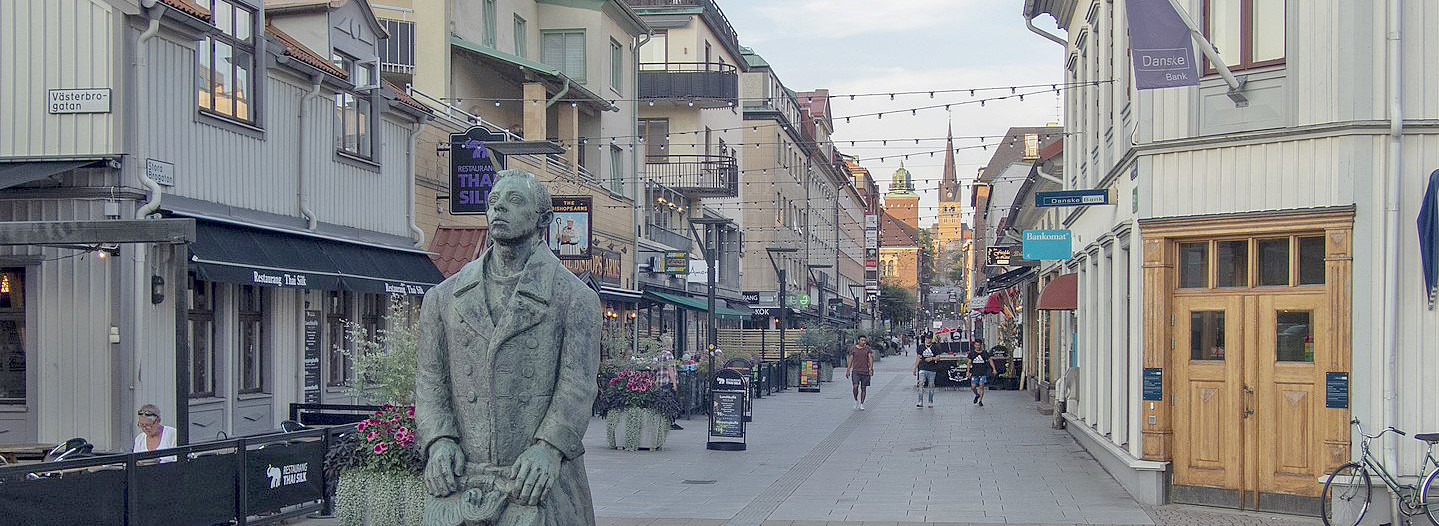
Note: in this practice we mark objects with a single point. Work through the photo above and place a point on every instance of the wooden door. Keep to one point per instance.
(1208, 391)
(1292, 336)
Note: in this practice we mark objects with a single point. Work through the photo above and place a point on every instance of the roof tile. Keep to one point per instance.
(189, 7)
(455, 246)
(304, 54)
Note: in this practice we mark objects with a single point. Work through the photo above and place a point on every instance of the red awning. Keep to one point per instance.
(995, 303)
(1060, 294)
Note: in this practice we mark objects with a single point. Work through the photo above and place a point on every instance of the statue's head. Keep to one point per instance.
(519, 208)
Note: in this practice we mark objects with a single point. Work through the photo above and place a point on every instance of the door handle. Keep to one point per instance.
(1248, 396)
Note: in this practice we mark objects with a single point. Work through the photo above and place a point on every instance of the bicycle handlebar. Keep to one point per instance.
(1355, 422)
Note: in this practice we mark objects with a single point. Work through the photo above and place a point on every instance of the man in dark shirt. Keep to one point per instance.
(980, 367)
(859, 370)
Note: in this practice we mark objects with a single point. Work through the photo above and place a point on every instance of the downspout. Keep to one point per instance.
(1391, 235)
(638, 183)
(1029, 23)
(153, 10)
(312, 222)
(1047, 176)
(419, 234)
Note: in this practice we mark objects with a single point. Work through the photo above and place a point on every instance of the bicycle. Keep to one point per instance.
(1349, 489)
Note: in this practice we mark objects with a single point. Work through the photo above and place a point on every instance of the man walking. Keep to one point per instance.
(859, 370)
(980, 368)
(926, 367)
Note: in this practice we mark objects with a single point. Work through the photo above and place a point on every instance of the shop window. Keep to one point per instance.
(1273, 261)
(337, 310)
(201, 318)
(13, 360)
(1294, 336)
(1206, 335)
(254, 349)
(1193, 265)
(1311, 260)
(225, 62)
(1231, 262)
(1247, 33)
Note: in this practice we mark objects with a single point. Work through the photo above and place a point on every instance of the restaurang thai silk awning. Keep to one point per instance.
(1060, 294)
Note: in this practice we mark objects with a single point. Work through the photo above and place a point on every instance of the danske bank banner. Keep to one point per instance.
(1162, 50)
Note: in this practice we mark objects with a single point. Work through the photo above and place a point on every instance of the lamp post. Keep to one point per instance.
(857, 290)
(708, 250)
(783, 308)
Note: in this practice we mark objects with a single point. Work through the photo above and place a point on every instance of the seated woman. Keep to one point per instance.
(153, 434)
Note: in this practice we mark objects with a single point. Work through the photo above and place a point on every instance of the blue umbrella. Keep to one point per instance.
(1428, 244)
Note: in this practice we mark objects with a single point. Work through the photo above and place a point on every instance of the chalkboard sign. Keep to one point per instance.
(312, 357)
(728, 393)
(1153, 383)
(1336, 389)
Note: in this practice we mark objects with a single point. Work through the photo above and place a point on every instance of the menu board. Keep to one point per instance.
(727, 395)
(312, 357)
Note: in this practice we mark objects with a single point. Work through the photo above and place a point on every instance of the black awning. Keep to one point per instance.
(236, 254)
(12, 174)
(1008, 279)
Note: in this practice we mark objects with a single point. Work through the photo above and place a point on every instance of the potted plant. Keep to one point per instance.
(819, 340)
(638, 410)
(378, 467)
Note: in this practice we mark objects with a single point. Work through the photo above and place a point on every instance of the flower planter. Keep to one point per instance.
(636, 428)
(373, 498)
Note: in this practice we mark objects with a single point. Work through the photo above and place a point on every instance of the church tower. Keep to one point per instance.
(950, 231)
(900, 201)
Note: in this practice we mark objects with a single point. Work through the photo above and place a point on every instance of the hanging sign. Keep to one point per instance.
(1048, 244)
(677, 262)
(1000, 256)
(1071, 198)
(569, 232)
(473, 169)
(1159, 41)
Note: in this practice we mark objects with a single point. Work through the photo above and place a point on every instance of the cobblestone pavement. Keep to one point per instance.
(812, 460)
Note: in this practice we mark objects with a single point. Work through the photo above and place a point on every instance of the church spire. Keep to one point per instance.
(949, 183)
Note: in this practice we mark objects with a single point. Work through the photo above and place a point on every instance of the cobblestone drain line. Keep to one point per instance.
(769, 500)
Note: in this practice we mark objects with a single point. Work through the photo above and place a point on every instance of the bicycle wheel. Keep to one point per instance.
(1429, 496)
(1346, 495)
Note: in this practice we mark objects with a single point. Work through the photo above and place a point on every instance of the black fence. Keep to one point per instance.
(250, 480)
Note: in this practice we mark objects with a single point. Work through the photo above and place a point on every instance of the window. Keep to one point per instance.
(617, 170)
(1247, 33)
(656, 133)
(372, 317)
(617, 65)
(397, 53)
(201, 318)
(565, 50)
(254, 351)
(521, 38)
(491, 27)
(337, 310)
(226, 61)
(12, 336)
(354, 112)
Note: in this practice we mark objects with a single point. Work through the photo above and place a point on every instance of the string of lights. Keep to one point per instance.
(1051, 86)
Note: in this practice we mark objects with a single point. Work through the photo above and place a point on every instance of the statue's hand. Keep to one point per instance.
(535, 472)
(446, 463)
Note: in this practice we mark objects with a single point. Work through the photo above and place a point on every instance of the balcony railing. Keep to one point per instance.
(704, 84)
(664, 236)
(696, 175)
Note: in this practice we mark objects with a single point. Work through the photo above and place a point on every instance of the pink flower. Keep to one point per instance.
(411, 412)
(361, 426)
(388, 406)
(373, 433)
(381, 447)
(374, 421)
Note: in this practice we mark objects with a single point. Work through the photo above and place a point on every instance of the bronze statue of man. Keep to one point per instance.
(509, 350)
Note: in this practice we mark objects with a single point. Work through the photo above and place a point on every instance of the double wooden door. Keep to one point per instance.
(1249, 398)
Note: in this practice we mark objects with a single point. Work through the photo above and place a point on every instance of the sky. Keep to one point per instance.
(864, 47)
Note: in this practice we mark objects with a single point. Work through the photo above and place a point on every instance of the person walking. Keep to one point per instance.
(859, 370)
(980, 367)
(926, 367)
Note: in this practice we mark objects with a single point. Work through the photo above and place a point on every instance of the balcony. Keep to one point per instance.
(695, 175)
(667, 237)
(702, 84)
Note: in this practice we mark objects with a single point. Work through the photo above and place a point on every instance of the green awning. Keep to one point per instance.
(700, 304)
(578, 90)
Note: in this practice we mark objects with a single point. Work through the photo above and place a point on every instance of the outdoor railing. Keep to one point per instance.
(250, 480)
(707, 84)
(698, 175)
(667, 237)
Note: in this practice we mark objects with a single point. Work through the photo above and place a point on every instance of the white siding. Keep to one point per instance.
(57, 44)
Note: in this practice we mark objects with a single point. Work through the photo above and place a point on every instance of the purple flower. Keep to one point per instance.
(361, 426)
(411, 411)
(381, 447)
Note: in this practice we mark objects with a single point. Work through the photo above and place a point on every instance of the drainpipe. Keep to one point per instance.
(312, 222)
(153, 10)
(638, 183)
(1391, 234)
(419, 234)
(1047, 176)
(1029, 23)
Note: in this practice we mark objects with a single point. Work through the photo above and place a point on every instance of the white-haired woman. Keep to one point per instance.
(153, 434)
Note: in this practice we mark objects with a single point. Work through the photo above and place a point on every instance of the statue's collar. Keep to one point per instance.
(535, 280)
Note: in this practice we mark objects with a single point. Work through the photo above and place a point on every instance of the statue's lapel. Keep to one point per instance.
(531, 300)
(470, 299)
